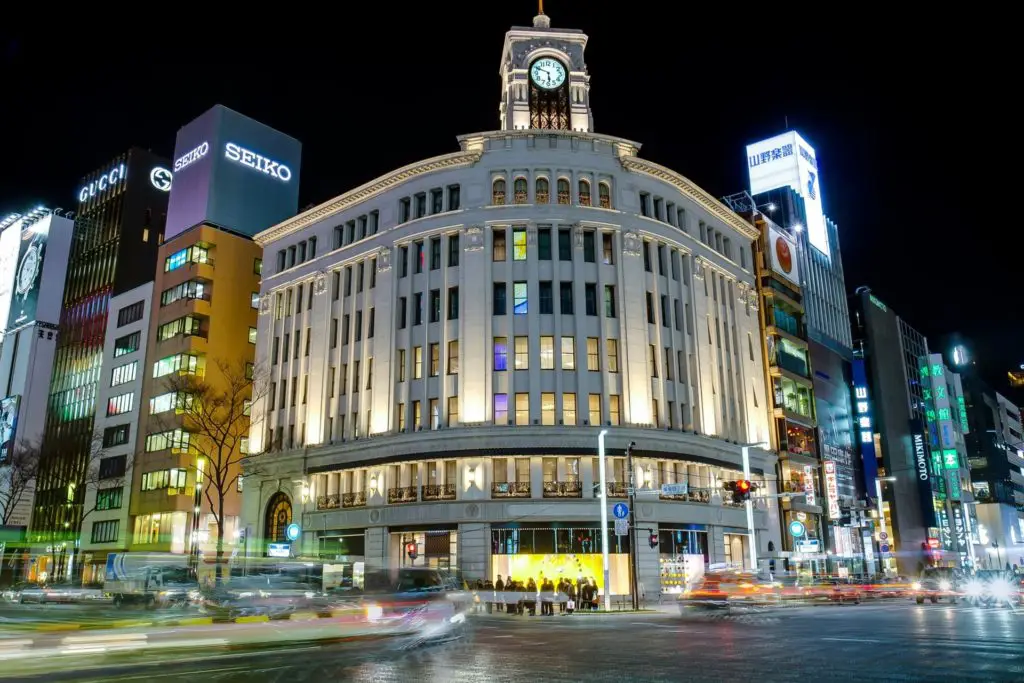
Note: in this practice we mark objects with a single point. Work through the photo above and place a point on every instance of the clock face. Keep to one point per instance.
(28, 270)
(547, 73)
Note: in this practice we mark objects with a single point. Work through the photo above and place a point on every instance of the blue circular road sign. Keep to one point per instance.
(292, 531)
(797, 528)
(620, 510)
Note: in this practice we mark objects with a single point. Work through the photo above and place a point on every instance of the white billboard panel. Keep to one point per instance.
(788, 161)
(10, 243)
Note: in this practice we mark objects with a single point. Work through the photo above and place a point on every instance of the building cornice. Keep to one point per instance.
(475, 141)
(367, 191)
(688, 188)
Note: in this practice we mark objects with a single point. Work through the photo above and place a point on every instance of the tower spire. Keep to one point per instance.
(541, 20)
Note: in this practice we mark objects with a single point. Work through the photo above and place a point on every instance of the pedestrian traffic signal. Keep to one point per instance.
(410, 550)
(653, 539)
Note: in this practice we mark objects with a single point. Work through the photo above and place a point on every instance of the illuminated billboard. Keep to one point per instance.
(234, 173)
(9, 240)
(8, 424)
(783, 255)
(28, 274)
(788, 161)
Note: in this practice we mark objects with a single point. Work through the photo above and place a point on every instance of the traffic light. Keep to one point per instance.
(653, 539)
(741, 490)
(410, 550)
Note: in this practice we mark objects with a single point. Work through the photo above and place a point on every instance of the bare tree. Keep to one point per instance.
(217, 412)
(17, 473)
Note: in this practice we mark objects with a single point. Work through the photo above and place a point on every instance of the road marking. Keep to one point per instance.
(504, 636)
(853, 640)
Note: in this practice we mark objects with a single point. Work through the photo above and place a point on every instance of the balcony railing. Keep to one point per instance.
(439, 492)
(563, 489)
(511, 489)
(328, 502)
(792, 363)
(402, 494)
(691, 496)
(356, 499)
(616, 489)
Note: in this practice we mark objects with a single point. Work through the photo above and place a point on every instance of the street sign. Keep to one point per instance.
(797, 528)
(674, 489)
(621, 527)
(884, 548)
(630, 491)
(883, 536)
(293, 531)
(620, 510)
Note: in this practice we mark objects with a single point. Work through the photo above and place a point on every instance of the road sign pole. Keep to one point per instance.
(603, 501)
(633, 580)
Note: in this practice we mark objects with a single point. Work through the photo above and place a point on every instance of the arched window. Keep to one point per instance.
(604, 193)
(542, 190)
(564, 196)
(279, 516)
(584, 190)
(498, 191)
(520, 188)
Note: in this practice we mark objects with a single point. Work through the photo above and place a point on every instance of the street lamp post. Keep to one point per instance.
(881, 517)
(749, 503)
(602, 499)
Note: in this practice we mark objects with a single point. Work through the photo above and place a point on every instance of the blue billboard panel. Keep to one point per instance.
(232, 172)
(865, 424)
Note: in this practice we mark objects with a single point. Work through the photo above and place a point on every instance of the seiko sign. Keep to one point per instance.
(107, 180)
(191, 157)
(920, 457)
(246, 157)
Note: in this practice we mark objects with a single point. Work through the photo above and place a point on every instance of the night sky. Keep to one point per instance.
(907, 135)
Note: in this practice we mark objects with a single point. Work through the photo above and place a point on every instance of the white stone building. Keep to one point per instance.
(445, 342)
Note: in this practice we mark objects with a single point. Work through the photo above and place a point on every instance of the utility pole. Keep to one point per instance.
(633, 579)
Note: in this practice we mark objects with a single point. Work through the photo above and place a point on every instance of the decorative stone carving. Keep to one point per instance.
(531, 235)
(474, 238)
(265, 304)
(698, 269)
(631, 243)
(320, 283)
(743, 290)
(384, 260)
(577, 236)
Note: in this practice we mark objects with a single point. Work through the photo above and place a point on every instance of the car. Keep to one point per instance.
(423, 602)
(726, 589)
(937, 583)
(993, 588)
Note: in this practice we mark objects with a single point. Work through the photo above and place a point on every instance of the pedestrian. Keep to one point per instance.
(548, 589)
(571, 592)
(531, 596)
(499, 590)
(489, 592)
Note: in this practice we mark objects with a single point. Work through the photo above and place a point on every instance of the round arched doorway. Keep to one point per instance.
(279, 516)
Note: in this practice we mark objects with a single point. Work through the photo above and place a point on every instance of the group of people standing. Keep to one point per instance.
(516, 597)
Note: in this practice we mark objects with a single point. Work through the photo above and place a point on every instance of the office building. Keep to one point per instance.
(118, 227)
(233, 177)
(477, 319)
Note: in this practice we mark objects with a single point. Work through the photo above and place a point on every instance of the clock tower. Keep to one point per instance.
(544, 80)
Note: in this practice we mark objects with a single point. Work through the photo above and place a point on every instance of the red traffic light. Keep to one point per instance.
(410, 550)
(652, 539)
(743, 486)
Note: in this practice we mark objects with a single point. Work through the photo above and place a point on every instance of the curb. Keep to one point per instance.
(57, 626)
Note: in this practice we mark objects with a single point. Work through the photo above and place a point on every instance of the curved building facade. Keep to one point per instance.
(443, 345)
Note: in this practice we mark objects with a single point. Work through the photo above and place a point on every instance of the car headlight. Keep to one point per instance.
(974, 588)
(374, 611)
(194, 595)
(916, 585)
(1000, 589)
(945, 585)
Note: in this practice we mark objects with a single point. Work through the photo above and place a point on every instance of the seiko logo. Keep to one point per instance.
(251, 159)
(190, 158)
(920, 457)
(107, 180)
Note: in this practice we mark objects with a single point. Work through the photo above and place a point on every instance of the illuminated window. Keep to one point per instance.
(118, 405)
(584, 190)
(176, 439)
(498, 191)
(569, 409)
(252, 335)
(519, 244)
(547, 408)
(593, 354)
(547, 354)
(612, 345)
(520, 191)
(417, 362)
(453, 411)
(522, 351)
(124, 373)
(542, 191)
(181, 362)
(127, 344)
(564, 196)
(604, 193)
(522, 409)
(435, 359)
(498, 245)
(594, 409)
(453, 357)
(401, 365)
(519, 306)
(501, 409)
(568, 353)
(613, 409)
(500, 353)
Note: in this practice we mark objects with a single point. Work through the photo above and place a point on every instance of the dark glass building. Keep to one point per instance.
(118, 227)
